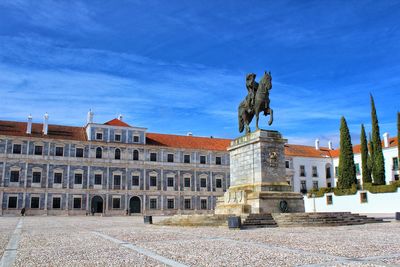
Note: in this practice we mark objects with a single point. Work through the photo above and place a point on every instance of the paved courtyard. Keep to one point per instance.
(126, 241)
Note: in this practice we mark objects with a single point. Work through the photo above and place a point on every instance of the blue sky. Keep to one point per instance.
(180, 66)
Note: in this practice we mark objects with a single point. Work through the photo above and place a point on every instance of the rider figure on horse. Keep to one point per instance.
(251, 86)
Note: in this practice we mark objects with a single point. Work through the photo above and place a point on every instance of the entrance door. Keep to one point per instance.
(134, 205)
(97, 204)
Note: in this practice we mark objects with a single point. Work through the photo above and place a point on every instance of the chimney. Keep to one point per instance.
(120, 117)
(386, 139)
(90, 117)
(29, 125)
(330, 145)
(46, 123)
(189, 134)
(317, 144)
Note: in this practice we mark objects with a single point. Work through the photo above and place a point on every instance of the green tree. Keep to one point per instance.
(366, 174)
(378, 170)
(347, 168)
(371, 155)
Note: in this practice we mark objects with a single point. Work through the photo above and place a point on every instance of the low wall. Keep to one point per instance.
(375, 203)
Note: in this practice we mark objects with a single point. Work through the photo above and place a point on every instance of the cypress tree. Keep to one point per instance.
(371, 155)
(347, 168)
(366, 174)
(378, 170)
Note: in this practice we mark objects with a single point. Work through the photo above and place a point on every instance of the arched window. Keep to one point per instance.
(135, 155)
(117, 153)
(99, 153)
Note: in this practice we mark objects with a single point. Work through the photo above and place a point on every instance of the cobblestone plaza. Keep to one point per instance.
(126, 241)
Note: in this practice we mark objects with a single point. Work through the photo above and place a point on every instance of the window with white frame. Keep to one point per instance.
(153, 203)
(315, 185)
(395, 166)
(17, 149)
(99, 136)
(188, 203)
(170, 203)
(314, 171)
(98, 179)
(202, 159)
(14, 176)
(59, 151)
(116, 202)
(99, 153)
(218, 160)
(117, 180)
(203, 204)
(135, 154)
(170, 181)
(170, 158)
(12, 202)
(135, 180)
(36, 176)
(117, 137)
(136, 138)
(203, 182)
(117, 153)
(56, 203)
(186, 181)
(38, 150)
(302, 171)
(78, 177)
(218, 183)
(153, 180)
(153, 156)
(35, 202)
(357, 168)
(79, 152)
(57, 179)
(186, 158)
(77, 202)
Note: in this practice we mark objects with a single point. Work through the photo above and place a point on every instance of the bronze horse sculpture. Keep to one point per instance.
(256, 102)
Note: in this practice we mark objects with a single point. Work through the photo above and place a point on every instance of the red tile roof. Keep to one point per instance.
(306, 151)
(190, 142)
(117, 122)
(357, 148)
(14, 128)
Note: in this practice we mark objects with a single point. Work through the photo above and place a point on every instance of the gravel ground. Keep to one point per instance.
(7, 226)
(74, 241)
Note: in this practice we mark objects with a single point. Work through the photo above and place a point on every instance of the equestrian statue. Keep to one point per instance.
(256, 101)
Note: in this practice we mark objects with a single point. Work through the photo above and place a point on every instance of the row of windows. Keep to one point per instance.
(98, 179)
(117, 154)
(116, 203)
(117, 137)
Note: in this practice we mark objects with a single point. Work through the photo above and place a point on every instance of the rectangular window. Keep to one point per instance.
(203, 204)
(314, 171)
(153, 156)
(395, 164)
(302, 170)
(17, 149)
(117, 138)
(202, 159)
(56, 203)
(170, 203)
(336, 171)
(117, 180)
(170, 181)
(78, 178)
(77, 203)
(98, 179)
(14, 176)
(363, 197)
(287, 164)
(79, 152)
(187, 182)
(34, 202)
(38, 150)
(59, 151)
(135, 180)
(99, 136)
(218, 160)
(203, 182)
(303, 185)
(153, 180)
(170, 157)
(329, 185)
(396, 177)
(153, 203)
(136, 139)
(329, 200)
(218, 183)
(328, 172)
(57, 177)
(315, 185)
(186, 158)
(116, 203)
(188, 204)
(36, 176)
(12, 202)
(358, 168)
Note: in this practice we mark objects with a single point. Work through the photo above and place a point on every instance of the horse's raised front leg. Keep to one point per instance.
(271, 116)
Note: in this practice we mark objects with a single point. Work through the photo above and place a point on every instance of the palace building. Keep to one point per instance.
(114, 168)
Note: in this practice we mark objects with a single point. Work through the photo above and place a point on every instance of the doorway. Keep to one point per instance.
(134, 205)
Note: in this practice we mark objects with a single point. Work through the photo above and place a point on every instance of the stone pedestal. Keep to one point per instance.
(258, 177)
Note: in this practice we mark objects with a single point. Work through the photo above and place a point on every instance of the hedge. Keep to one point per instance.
(390, 188)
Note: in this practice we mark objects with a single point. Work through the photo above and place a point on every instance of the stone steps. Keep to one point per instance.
(323, 219)
(259, 221)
